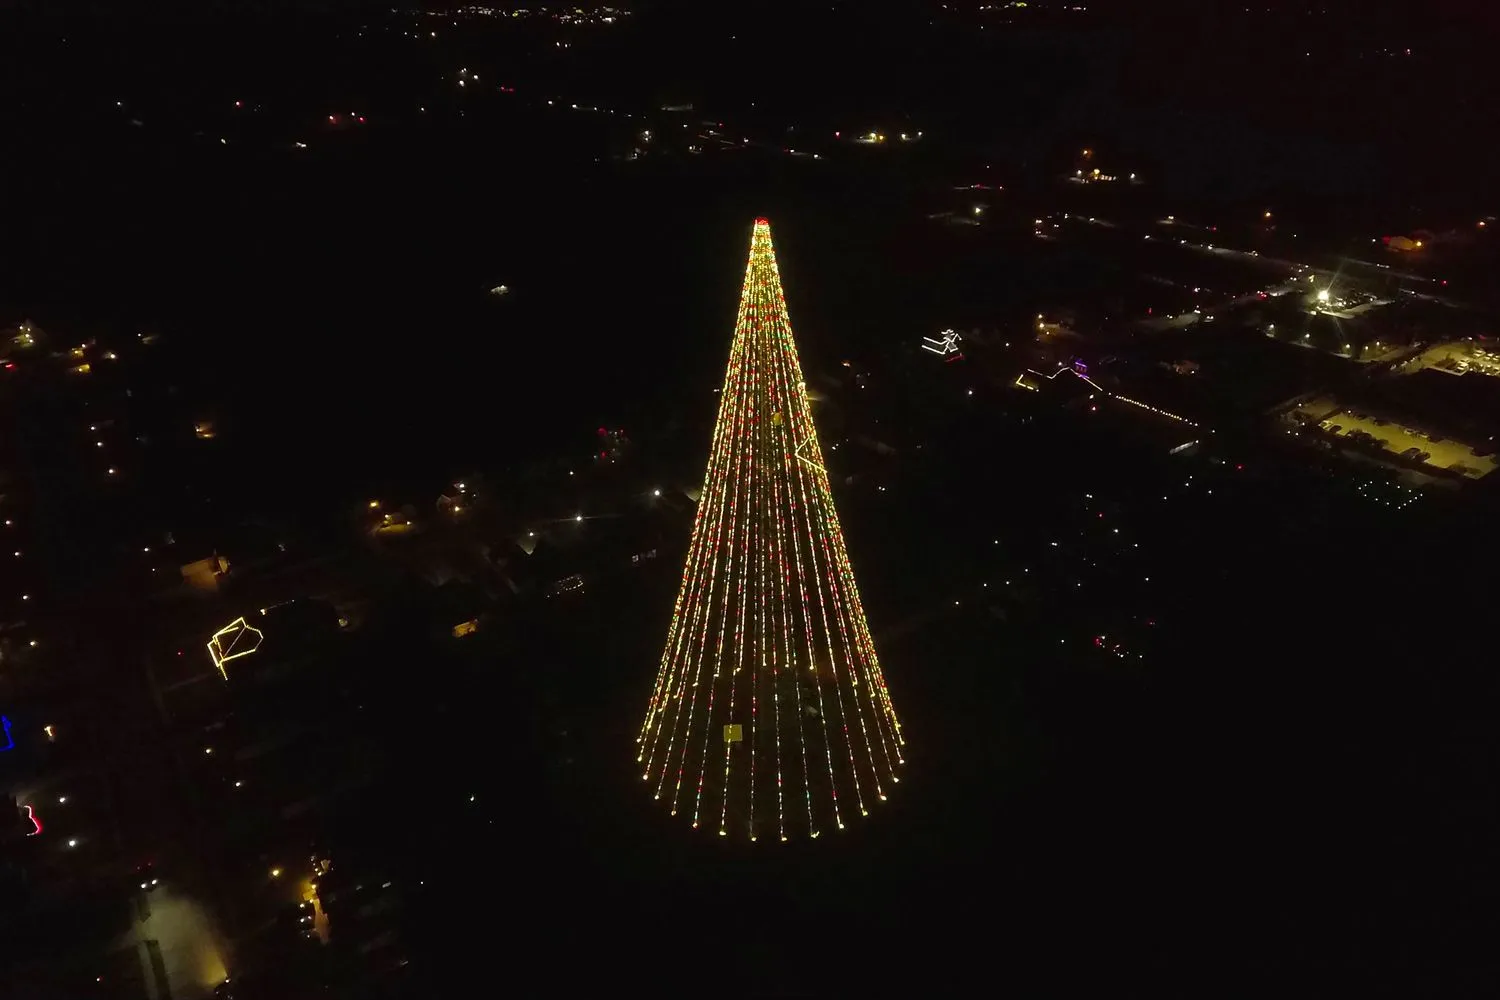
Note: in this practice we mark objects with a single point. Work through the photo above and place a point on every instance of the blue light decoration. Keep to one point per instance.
(10, 743)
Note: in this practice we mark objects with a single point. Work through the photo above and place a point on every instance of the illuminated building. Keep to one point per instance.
(770, 716)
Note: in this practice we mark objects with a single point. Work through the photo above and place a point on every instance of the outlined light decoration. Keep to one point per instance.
(770, 716)
(237, 639)
(944, 344)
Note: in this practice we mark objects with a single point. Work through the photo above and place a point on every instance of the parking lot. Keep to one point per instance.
(1398, 440)
(1458, 357)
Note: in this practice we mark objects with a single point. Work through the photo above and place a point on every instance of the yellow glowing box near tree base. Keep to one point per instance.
(770, 716)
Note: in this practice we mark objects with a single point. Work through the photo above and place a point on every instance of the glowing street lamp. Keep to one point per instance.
(1322, 295)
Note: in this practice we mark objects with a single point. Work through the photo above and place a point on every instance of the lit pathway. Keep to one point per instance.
(178, 947)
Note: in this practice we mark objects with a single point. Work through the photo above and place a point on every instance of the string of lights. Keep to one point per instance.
(770, 712)
(1068, 369)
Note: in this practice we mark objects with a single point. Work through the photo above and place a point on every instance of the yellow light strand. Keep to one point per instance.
(866, 646)
(695, 653)
(782, 449)
(797, 474)
(698, 583)
(766, 582)
(778, 330)
(816, 531)
(857, 652)
(697, 552)
(726, 609)
(817, 527)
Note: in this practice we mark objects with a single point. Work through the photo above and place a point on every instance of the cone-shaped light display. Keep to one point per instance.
(770, 717)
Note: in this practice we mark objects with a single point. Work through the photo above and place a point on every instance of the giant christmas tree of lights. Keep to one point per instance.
(770, 715)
